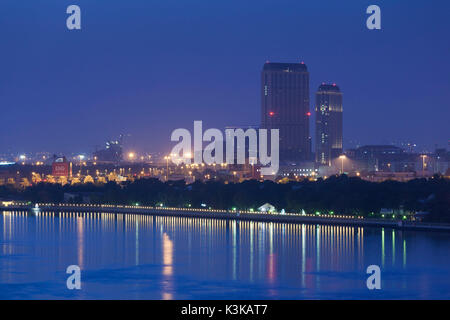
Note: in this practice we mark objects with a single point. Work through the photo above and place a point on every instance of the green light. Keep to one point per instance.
(317, 213)
(251, 210)
(234, 209)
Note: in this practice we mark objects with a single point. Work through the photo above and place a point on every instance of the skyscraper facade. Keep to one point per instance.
(285, 106)
(328, 123)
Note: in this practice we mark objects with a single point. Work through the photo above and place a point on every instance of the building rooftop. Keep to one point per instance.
(329, 87)
(288, 67)
(380, 147)
(385, 149)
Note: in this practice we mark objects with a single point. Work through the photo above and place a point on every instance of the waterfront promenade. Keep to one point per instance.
(356, 221)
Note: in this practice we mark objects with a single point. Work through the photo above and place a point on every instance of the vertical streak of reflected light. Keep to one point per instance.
(4, 233)
(5, 275)
(404, 253)
(362, 244)
(271, 257)
(80, 234)
(233, 235)
(318, 248)
(318, 244)
(261, 245)
(332, 242)
(393, 247)
(303, 255)
(137, 242)
(167, 246)
(382, 247)
(252, 226)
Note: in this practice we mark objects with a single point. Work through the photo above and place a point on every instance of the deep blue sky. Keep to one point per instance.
(146, 67)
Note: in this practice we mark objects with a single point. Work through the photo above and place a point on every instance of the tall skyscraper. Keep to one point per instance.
(285, 106)
(328, 123)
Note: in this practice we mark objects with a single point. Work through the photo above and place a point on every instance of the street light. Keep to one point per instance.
(167, 169)
(423, 164)
(342, 157)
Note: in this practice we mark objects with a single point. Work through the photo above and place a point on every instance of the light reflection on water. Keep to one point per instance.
(148, 257)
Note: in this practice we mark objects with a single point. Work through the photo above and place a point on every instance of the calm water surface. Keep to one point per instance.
(146, 257)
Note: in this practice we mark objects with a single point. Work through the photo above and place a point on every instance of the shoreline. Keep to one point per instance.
(230, 215)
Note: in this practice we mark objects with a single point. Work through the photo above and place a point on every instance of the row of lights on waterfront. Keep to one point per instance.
(162, 207)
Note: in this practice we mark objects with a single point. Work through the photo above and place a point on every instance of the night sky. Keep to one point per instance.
(145, 68)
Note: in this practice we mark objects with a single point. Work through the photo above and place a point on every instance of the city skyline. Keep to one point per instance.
(60, 97)
(229, 155)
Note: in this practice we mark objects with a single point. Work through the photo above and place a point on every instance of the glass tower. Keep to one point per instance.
(328, 123)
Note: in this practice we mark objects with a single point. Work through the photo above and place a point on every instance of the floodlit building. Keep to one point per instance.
(267, 207)
(111, 154)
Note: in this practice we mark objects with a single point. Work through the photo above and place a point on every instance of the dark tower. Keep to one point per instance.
(328, 123)
(285, 106)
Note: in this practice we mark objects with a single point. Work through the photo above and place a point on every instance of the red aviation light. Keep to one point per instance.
(308, 114)
(271, 113)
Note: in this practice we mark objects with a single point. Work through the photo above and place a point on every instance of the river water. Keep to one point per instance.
(147, 257)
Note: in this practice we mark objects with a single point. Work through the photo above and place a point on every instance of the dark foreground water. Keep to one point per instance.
(146, 257)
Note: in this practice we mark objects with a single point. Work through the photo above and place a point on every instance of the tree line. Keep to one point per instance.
(335, 195)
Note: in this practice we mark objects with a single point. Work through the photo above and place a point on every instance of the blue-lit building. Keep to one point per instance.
(329, 123)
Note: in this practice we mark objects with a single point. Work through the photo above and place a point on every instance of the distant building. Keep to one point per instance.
(267, 207)
(384, 176)
(61, 167)
(301, 170)
(439, 162)
(328, 123)
(381, 158)
(285, 106)
(392, 159)
(111, 154)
